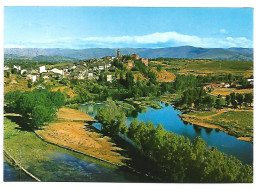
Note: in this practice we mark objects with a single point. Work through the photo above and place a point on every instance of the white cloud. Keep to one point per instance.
(222, 31)
(165, 39)
(145, 39)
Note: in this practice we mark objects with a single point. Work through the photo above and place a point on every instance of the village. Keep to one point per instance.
(81, 70)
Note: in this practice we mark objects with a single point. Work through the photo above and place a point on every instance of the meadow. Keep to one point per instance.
(205, 66)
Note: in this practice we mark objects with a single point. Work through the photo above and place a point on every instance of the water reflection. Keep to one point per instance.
(197, 128)
(217, 130)
(208, 130)
(168, 116)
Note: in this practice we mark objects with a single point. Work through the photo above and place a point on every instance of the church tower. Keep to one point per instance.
(118, 53)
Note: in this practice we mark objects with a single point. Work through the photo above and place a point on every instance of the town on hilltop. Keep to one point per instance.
(89, 69)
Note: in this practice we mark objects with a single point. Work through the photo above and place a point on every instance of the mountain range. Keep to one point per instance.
(189, 52)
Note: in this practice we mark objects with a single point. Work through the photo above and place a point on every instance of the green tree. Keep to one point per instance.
(12, 99)
(14, 71)
(57, 98)
(227, 100)
(233, 100)
(218, 104)
(248, 98)
(208, 102)
(129, 80)
(102, 77)
(41, 115)
(8, 74)
(112, 119)
(240, 99)
(29, 84)
(234, 103)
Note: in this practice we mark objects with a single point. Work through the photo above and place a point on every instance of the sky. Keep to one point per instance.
(122, 27)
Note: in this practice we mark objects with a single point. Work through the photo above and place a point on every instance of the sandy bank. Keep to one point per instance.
(69, 114)
(71, 131)
(83, 138)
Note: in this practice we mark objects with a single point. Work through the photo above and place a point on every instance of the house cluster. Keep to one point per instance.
(217, 85)
(226, 85)
(81, 70)
(85, 69)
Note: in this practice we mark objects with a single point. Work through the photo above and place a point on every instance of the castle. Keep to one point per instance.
(118, 53)
(136, 57)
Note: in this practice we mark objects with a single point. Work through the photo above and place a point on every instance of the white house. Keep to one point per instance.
(251, 81)
(226, 85)
(107, 66)
(42, 69)
(57, 71)
(90, 76)
(6, 68)
(109, 78)
(23, 71)
(81, 77)
(101, 68)
(32, 77)
(17, 67)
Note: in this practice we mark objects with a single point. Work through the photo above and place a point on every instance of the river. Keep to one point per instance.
(168, 116)
(68, 166)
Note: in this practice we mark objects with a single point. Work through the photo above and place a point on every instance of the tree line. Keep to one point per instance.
(198, 98)
(236, 99)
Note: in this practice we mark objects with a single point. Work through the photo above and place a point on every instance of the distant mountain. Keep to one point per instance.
(173, 52)
(42, 58)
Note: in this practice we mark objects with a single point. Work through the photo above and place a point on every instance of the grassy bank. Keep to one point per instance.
(25, 145)
(237, 123)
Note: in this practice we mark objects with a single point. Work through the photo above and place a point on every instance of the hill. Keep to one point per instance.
(245, 54)
(41, 58)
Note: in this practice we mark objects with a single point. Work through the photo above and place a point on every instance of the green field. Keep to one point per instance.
(209, 66)
(239, 123)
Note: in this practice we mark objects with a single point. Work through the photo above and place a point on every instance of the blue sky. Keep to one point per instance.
(118, 27)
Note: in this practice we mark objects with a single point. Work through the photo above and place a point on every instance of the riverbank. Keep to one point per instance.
(237, 123)
(234, 122)
(71, 130)
(25, 147)
(48, 162)
(69, 114)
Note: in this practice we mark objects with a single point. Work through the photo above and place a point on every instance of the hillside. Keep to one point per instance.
(245, 54)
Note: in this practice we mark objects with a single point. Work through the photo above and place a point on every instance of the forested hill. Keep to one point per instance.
(245, 54)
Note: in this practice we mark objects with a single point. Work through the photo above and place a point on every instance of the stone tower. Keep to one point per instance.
(118, 53)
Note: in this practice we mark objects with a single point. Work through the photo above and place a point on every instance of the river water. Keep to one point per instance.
(68, 166)
(168, 116)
